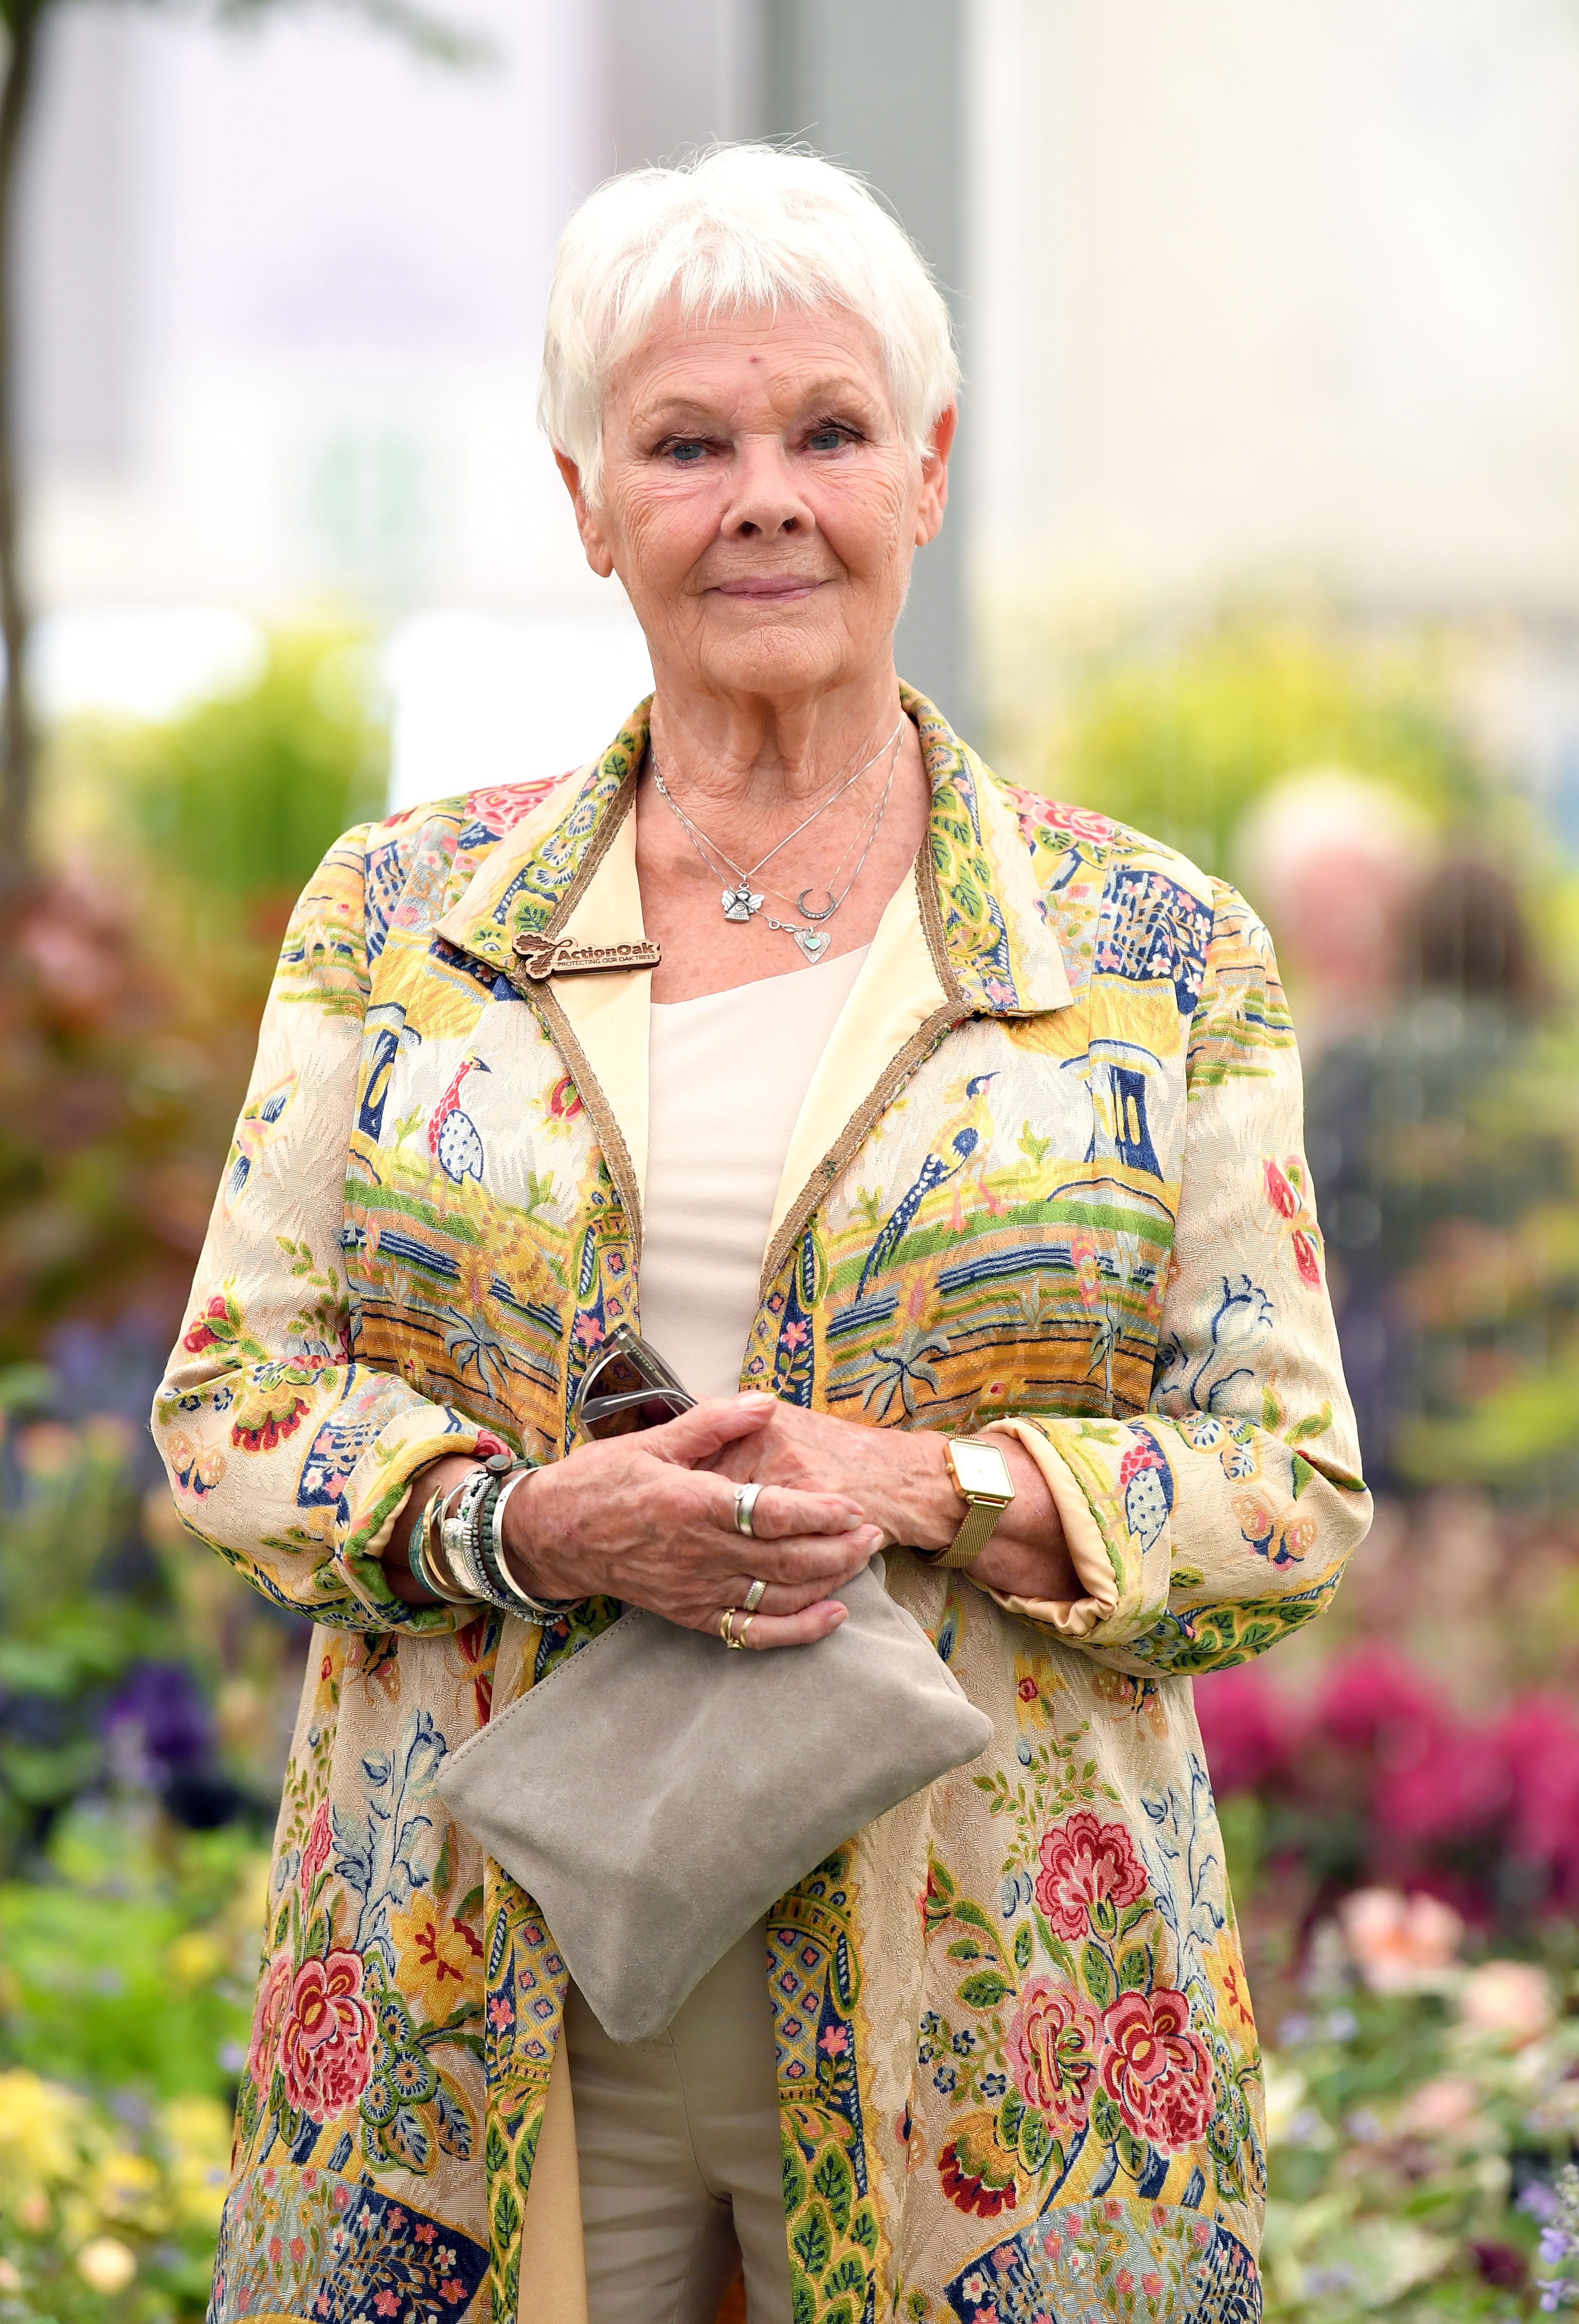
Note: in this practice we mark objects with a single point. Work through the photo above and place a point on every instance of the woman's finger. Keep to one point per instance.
(766, 1631)
(801, 1558)
(783, 1597)
(718, 1420)
(781, 1510)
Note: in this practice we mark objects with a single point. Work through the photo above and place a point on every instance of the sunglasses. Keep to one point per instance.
(627, 1387)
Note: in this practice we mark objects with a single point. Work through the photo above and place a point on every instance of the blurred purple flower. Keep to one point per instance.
(157, 1724)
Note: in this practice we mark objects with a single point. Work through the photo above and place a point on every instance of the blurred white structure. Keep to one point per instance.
(284, 310)
(457, 682)
(1248, 293)
(1272, 292)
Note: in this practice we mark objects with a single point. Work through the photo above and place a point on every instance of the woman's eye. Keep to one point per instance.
(688, 453)
(827, 440)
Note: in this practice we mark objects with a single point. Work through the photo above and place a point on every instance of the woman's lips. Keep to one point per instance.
(771, 593)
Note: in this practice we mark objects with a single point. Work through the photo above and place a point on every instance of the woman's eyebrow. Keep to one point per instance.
(816, 395)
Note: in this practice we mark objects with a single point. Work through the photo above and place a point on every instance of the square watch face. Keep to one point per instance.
(980, 1469)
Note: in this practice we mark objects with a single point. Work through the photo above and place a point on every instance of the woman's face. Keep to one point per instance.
(760, 502)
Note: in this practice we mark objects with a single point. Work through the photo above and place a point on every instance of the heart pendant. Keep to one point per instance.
(812, 942)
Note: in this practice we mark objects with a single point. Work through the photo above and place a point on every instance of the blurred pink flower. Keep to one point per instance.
(1513, 1999)
(1444, 2108)
(1400, 1944)
(1248, 1728)
(1537, 1745)
(1374, 1701)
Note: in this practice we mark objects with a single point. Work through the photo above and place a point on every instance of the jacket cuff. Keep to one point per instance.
(1071, 1617)
(380, 1488)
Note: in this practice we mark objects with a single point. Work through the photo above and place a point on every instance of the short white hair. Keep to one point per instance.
(739, 229)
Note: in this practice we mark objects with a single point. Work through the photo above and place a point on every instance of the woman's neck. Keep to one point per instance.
(742, 757)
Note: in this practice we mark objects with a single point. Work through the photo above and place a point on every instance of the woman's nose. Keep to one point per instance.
(766, 502)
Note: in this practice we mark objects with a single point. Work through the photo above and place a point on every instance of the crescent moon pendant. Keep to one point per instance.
(802, 907)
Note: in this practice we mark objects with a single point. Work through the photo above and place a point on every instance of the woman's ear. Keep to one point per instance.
(593, 541)
(934, 476)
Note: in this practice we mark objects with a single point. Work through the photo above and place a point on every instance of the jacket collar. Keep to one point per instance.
(998, 953)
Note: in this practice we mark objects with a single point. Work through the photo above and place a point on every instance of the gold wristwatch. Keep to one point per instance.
(981, 1477)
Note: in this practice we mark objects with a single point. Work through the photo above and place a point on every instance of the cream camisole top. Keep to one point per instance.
(726, 1077)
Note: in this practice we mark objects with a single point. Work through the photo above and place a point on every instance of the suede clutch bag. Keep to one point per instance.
(657, 1792)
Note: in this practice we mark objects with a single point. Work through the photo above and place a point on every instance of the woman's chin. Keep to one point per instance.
(778, 655)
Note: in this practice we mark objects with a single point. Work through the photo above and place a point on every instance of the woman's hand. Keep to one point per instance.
(903, 1485)
(642, 1519)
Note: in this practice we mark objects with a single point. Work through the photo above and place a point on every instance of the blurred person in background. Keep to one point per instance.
(1334, 860)
(1427, 1163)
(915, 1108)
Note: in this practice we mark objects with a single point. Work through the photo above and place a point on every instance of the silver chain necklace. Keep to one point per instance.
(741, 902)
(812, 940)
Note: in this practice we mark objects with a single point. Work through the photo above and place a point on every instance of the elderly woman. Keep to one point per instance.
(914, 1111)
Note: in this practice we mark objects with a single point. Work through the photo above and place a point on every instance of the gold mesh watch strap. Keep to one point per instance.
(981, 1521)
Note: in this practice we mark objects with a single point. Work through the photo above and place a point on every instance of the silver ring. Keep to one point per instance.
(745, 1501)
(754, 1597)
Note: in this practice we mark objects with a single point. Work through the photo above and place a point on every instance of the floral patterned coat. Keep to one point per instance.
(1048, 1173)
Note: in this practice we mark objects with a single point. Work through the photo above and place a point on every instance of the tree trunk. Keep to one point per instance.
(18, 740)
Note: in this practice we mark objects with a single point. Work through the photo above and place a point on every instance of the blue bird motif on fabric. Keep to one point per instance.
(453, 1137)
(965, 1131)
(255, 1132)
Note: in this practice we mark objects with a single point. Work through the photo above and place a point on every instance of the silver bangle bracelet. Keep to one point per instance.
(457, 1533)
(417, 1560)
(490, 1544)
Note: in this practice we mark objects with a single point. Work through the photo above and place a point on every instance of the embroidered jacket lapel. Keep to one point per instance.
(569, 869)
(965, 937)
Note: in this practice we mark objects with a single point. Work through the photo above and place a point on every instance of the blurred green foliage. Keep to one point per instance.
(64, 1637)
(126, 1974)
(129, 1012)
(1179, 730)
(242, 796)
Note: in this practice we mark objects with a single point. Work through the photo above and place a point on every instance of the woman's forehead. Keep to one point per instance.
(800, 351)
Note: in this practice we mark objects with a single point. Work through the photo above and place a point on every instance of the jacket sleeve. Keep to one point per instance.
(285, 1453)
(1211, 1527)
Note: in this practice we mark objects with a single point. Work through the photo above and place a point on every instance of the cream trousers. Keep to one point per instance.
(677, 2144)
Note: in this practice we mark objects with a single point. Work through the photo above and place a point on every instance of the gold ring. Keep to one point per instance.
(726, 1630)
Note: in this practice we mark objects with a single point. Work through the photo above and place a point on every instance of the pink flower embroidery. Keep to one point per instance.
(1304, 1259)
(1279, 1193)
(500, 2014)
(1088, 1273)
(386, 2303)
(315, 1855)
(1086, 1865)
(266, 2017)
(834, 2041)
(1051, 2052)
(326, 2047)
(1158, 2072)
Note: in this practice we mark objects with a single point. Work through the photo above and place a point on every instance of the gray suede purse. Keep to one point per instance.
(657, 1792)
